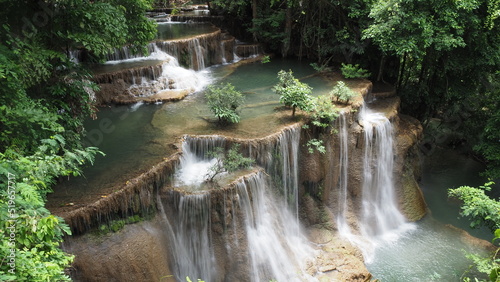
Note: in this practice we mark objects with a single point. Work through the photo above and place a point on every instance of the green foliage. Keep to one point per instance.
(342, 93)
(354, 71)
(265, 59)
(269, 28)
(97, 26)
(293, 93)
(315, 144)
(482, 211)
(477, 206)
(44, 98)
(24, 182)
(323, 111)
(230, 161)
(485, 122)
(223, 101)
(320, 68)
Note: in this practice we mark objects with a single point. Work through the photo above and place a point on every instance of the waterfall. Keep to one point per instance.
(378, 217)
(380, 212)
(276, 250)
(198, 55)
(172, 77)
(261, 226)
(289, 150)
(342, 225)
(191, 242)
(193, 169)
(193, 52)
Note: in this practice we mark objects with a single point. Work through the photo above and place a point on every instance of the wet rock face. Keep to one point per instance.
(320, 173)
(135, 253)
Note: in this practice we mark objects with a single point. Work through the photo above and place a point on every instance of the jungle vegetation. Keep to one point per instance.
(44, 98)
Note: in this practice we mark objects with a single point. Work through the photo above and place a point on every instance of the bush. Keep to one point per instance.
(228, 162)
(323, 111)
(354, 71)
(223, 100)
(293, 93)
(342, 93)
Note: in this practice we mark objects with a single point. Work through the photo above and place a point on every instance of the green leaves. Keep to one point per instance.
(223, 101)
(354, 71)
(231, 161)
(343, 93)
(477, 206)
(293, 93)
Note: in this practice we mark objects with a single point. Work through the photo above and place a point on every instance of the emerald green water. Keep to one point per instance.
(435, 251)
(134, 138)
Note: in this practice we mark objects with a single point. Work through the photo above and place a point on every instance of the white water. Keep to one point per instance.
(342, 225)
(155, 54)
(380, 222)
(289, 149)
(191, 236)
(272, 236)
(173, 77)
(276, 250)
(192, 170)
(380, 208)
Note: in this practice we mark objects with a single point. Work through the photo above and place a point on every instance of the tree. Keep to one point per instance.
(342, 93)
(293, 93)
(231, 161)
(223, 101)
(482, 211)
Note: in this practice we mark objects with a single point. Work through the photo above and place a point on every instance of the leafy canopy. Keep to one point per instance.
(342, 92)
(293, 93)
(231, 161)
(482, 211)
(223, 101)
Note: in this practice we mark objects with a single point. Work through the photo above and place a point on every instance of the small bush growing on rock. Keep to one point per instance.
(354, 71)
(228, 162)
(223, 101)
(342, 93)
(323, 111)
(293, 93)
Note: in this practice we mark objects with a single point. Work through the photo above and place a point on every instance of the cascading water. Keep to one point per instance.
(191, 242)
(192, 170)
(198, 57)
(276, 250)
(380, 213)
(289, 150)
(378, 217)
(172, 77)
(342, 225)
(275, 247)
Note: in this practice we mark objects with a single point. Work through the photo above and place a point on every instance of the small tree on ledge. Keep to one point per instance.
(342, 93)
(293, 93)
(231, 161)
(223, 100)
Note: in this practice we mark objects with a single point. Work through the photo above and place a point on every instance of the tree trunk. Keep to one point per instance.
(401, 71)
(288, 32)
(380, 76)
(254, 17)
